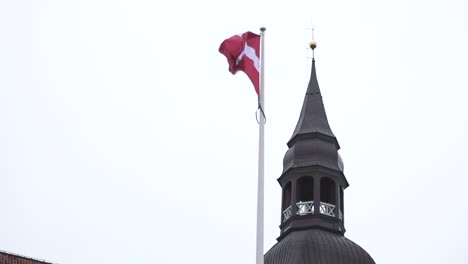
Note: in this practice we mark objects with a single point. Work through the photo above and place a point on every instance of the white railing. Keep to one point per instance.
(304, 208)
(286, 213)
(327, 209)
(341, 215)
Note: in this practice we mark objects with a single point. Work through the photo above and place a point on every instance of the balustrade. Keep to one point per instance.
(304, 208)
(327, 209)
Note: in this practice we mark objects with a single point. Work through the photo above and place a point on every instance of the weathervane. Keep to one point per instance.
(313, 44)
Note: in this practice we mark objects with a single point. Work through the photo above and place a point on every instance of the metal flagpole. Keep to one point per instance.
(261, 151)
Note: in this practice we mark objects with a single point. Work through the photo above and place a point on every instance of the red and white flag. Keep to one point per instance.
(243, 54)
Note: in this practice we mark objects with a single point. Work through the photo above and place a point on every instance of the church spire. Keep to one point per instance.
(313, 119)
(312, 178)
(313, 183)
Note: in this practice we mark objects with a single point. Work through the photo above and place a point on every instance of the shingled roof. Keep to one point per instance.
(318, 247)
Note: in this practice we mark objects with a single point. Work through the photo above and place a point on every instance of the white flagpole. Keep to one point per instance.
(261, 151)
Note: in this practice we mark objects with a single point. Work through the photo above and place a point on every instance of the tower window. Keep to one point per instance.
(305, 196)
(305, 185)
(287, 195)
(327, 197)
(287, 202)
(327, 191)
(341, 203)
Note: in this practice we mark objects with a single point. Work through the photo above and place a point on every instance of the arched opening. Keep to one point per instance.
(306, 189)
(341, 203)
(305, 196)
(286, 205)
(287, 195)
(327, 191)
(327, 197)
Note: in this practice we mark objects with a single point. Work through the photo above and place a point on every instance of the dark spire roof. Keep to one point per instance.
(313, 142)
(313, 118)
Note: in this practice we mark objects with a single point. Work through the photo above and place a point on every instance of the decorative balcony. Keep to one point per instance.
(304, 208)
(286, 214)
(327, 209)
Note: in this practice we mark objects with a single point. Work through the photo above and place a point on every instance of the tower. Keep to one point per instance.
(313, 183)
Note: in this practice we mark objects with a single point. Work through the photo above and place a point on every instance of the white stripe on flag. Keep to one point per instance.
(250, 53)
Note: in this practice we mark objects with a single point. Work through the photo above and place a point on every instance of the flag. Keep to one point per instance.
(243, 54)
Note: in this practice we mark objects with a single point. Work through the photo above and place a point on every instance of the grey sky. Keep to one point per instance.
(124, 138)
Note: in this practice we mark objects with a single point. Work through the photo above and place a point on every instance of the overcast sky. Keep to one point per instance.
(124, 138)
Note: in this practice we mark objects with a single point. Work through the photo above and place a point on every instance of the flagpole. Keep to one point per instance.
(261, 152)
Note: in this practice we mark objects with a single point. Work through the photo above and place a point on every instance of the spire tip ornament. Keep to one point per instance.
(313, 44)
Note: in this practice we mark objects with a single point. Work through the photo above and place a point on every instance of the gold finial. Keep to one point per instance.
(313, 44)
